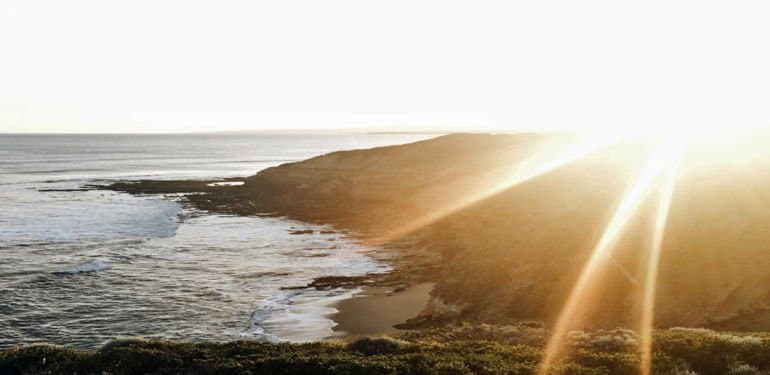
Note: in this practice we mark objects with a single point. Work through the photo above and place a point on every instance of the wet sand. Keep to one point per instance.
(375, 311)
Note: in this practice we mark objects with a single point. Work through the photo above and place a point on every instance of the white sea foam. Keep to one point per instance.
(226, 183)
(307, 318)
(83, 216)
(175, 274)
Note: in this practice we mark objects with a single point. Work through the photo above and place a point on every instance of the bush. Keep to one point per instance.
(740, 368)
(374, 346)
(458, 351)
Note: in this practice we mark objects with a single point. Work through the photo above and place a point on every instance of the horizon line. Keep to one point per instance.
(244, 131)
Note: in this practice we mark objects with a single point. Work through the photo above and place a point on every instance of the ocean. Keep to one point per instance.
(84, 267)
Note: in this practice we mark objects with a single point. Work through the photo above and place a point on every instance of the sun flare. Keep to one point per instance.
(413, 187)
(650, 284)
(712, 146)
(569, 318)
(659, 174)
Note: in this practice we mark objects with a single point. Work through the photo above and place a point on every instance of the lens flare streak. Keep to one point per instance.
(533, 167)
(568, 317)
(650, 287)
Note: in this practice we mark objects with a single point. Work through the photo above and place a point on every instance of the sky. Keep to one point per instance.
(178, 66)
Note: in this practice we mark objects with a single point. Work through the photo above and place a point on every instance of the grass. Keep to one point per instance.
(458, 350)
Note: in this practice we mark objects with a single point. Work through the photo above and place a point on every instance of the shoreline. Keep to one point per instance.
(378, 309)
(385, 300)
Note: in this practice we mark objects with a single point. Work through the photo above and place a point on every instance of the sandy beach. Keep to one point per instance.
(377, 310)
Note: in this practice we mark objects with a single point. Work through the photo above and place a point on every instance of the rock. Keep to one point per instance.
(333, 282)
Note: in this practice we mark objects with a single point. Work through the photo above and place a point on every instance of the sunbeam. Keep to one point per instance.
(534, 166)
(650, 285)
(601, 253)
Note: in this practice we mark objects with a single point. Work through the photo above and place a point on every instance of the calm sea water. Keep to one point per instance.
(84, 267)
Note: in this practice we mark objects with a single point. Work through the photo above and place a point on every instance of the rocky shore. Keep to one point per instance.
(453, 210)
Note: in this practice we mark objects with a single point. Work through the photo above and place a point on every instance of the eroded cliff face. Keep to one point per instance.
(513, 247)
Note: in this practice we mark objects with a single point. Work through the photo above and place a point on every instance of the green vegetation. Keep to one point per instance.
(467, 349)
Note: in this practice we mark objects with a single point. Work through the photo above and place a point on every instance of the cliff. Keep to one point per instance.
(512, 247)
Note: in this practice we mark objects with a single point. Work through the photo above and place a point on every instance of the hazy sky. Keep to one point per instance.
(109, 66)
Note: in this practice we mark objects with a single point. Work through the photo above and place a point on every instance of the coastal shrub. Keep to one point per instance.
(372, 346)
(575, 369)
(664, 364)
(681, 372)
(613, 362)
(740, 368)
(675, 352)
(41, 359)
(710, 352)
(526, 333)
(618, 339)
